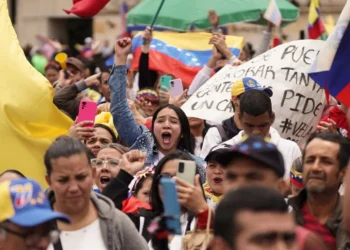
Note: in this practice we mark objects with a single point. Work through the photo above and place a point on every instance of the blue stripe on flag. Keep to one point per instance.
(192, 58)
(339, 76)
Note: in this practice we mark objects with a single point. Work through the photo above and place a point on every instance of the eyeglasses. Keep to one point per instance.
(111, 163)
(152, 102)
(33, 238)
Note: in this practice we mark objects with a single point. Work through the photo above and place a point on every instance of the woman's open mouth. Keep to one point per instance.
(217, 180)
(104, 180)
(166, 137)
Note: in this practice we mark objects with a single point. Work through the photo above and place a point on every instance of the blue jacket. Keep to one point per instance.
(133, 135)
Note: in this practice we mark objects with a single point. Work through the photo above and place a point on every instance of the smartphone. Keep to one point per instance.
(165, 81)
(66, 75)
(186, 170)
(176, 87)
(171, 206)
(87, 112)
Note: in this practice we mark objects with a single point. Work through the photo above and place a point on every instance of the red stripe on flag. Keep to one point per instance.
(316, 30)
(296, 183)
(167, 65)
(326, 91)
(343, 96)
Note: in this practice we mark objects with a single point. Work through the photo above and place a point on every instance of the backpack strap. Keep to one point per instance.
(190, 218)
(222, 133)
(58, 244)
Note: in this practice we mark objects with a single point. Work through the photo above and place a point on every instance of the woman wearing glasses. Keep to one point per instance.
(107, 163)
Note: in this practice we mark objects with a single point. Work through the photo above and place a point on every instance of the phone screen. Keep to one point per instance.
(171, 205)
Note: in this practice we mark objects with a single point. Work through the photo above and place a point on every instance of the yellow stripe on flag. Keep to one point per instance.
(313, 15)
(329, 25)
(194, 40)
(29, 121)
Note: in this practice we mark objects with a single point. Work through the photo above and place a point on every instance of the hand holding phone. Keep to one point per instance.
(191, 196)
(87, 112)
(82, 130)
(66, 74)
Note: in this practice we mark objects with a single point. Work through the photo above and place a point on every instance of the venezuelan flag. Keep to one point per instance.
(316, 28)
(180, 54)
(29, 121)
(331, 68)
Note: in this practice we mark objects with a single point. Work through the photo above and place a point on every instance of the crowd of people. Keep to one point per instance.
(252, 189)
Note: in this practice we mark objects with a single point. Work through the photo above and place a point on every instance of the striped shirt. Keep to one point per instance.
(313, 225)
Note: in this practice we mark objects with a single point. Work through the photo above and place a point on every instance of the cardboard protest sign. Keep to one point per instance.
(297, 100)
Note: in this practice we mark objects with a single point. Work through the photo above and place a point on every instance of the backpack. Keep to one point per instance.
(222, 132)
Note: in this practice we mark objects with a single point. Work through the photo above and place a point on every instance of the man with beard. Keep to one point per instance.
(319, 206)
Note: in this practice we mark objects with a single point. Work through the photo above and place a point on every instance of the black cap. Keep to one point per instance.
(255, 148)
(215, 152)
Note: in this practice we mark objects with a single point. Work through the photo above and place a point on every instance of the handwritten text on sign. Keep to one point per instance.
(297, 100)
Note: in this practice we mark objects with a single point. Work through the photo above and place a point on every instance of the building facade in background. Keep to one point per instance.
(46, 17)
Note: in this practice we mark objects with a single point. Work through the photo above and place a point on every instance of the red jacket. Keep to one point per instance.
(339, 117)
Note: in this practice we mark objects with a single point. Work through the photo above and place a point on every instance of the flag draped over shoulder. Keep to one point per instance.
(29, 121)
(316, 29)
(180, 54)
(331, 67)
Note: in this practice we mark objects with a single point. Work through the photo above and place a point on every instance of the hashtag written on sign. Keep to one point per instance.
(286, 126)
(296, 130)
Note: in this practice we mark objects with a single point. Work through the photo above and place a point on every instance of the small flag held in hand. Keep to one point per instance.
(316, 29)
(273, 14)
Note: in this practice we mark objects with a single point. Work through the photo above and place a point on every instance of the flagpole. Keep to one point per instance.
(155, 17)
